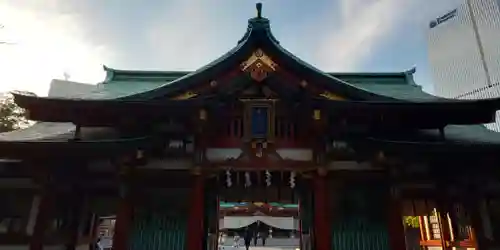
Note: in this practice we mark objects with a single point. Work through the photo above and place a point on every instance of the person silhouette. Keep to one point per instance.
(264, 236)
(247, 238)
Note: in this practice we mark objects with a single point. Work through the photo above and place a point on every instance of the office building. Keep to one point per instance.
(464, 52)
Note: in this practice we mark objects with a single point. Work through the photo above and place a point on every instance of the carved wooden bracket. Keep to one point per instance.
(259, 65)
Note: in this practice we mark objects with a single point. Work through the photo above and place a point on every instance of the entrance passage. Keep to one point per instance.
(305, 213)
(273, 209)
(260, 205)
(271, 224)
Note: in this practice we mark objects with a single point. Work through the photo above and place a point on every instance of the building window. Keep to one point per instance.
(259, 122)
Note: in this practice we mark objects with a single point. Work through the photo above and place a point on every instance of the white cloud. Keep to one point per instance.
(188, 34)
(48, 42)
(364, 24)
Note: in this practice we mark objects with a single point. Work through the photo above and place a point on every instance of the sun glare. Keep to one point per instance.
(43, 47)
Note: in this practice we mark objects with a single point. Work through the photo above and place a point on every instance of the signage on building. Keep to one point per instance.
(443, 18)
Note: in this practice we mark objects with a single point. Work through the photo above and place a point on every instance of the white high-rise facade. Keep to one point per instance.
(464, 52)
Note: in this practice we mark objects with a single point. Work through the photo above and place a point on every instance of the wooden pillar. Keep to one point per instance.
(75, 208)
(195, 228)
(217, 229)
(123, 220)
(322, 223)
(443, 206)
(42, 219)
(301, 240)
(94, 228)
(472, 199)
(397, 239)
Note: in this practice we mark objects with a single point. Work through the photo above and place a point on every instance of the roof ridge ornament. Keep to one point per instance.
(258, 6)
(258, 24)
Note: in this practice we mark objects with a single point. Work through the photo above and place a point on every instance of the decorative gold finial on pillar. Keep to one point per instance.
(259, 10)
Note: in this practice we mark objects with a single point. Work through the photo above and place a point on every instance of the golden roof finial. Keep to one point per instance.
(259, 10)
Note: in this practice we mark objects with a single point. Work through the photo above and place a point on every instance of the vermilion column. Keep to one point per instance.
(42, 220)
(301, 240)
(94, 230)
(75, 213)
(195, 228)
(217, 230)
(321, 213)
(122, 223)
(472, 200)
(396, 228)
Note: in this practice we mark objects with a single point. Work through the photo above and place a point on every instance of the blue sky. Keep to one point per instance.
(78, 36)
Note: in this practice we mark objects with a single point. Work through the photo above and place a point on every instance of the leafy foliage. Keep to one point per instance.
(411, 221)
(12, 117)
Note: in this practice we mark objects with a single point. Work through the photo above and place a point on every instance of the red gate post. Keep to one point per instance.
(195, 230)
(217, 229)
(473, 201)
(397, 238)
(321, 212)
(42, 219)
(301, 240)
(123, 222)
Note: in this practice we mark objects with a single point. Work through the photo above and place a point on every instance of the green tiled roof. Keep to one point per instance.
(467, 134)
(123, 83)
(398, 91)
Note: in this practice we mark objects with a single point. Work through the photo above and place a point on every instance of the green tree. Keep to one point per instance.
(12, 117)
(411, 221)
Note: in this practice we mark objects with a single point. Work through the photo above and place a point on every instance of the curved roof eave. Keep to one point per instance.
(491, 103)
(70, 149)
(184, 73)
(26, 101)
(434, 147)
(111, 73)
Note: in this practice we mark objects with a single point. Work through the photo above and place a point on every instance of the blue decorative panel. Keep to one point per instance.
(260, 122)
